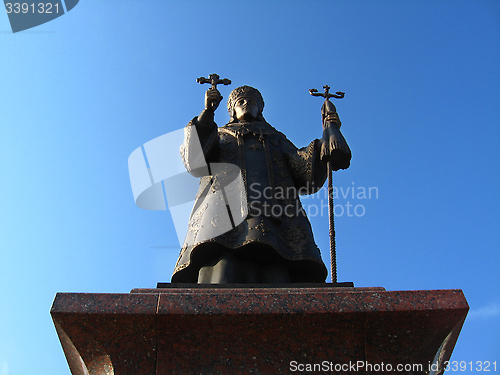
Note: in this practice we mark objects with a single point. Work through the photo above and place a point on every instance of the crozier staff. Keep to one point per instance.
(337, 155)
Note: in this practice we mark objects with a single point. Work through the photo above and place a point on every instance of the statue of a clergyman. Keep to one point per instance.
(274, 242)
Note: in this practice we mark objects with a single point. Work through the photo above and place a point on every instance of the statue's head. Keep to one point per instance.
(245, 104)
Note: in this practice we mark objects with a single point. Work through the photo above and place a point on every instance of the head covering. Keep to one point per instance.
(244, 92)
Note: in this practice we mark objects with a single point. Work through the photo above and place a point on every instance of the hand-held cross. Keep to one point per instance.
(214, 80)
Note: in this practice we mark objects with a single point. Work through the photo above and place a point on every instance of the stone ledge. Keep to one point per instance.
(254, 330)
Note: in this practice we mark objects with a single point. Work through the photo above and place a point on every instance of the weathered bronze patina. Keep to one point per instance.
(274, 243)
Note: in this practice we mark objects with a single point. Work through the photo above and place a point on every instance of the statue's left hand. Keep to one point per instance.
(331, 118)
(334, 148)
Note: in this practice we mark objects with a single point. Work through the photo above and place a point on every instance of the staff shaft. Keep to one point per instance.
(333, 250)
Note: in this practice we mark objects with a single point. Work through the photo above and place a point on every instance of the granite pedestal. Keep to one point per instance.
(258, 330)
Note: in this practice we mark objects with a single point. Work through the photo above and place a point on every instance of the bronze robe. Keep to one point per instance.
(274, 172)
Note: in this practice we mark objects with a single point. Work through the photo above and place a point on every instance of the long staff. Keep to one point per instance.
(331, 213)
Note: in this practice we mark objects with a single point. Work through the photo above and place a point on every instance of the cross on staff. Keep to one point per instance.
(326, 94)
(214, 80)
(333, 250)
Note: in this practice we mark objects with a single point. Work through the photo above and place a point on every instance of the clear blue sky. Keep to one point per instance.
(421, 115)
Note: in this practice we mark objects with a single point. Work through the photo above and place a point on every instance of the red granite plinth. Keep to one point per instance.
(258, 330)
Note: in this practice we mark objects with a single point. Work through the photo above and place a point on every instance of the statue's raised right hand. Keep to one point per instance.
(212, 99)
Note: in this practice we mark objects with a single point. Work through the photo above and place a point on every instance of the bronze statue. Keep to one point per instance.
(274, 241)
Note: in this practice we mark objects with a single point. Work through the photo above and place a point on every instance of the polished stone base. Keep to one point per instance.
(258, 330)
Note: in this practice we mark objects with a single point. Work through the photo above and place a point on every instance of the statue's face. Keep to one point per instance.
(246, 109)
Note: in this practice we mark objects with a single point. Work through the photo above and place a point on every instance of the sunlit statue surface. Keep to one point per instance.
(274, 242)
